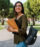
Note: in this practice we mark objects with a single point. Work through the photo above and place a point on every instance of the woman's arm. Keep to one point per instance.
(23, 29)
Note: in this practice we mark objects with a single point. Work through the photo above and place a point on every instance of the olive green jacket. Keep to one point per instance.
(21, 36)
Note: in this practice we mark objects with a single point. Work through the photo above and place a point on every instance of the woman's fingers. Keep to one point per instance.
(10, 29)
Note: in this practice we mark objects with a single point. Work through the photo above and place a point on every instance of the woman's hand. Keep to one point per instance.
(10, 29)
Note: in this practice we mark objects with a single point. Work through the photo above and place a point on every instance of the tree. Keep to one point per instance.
(11, 5)
(33, 9)
(4, 8)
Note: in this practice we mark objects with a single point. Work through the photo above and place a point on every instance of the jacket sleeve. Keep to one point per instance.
(23, 29)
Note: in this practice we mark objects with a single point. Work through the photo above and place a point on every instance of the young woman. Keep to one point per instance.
(21, 21)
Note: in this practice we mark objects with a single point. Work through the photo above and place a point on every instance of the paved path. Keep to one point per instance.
(6, 39)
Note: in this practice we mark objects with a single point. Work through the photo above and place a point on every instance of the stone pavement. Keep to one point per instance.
(6, 39)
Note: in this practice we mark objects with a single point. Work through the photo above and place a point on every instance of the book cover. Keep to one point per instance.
(12, 23)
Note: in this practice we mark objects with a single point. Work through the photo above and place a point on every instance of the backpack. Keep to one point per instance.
(32, 36)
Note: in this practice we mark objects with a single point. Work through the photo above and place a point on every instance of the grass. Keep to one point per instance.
(5, 23)
(38, 28)
(35, 24)
(1, 28)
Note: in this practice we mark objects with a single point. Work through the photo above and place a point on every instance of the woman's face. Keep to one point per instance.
(18, 8)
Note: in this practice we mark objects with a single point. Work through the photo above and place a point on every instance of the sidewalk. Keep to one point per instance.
(6, 39)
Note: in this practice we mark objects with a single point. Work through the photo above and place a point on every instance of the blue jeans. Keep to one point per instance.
(21, 44)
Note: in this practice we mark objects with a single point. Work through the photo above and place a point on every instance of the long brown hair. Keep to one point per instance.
(15, 13)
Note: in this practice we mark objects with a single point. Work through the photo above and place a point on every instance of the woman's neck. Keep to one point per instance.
(19, 15)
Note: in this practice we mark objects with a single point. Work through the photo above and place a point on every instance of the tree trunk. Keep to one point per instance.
(33, 20)
(2, 21)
